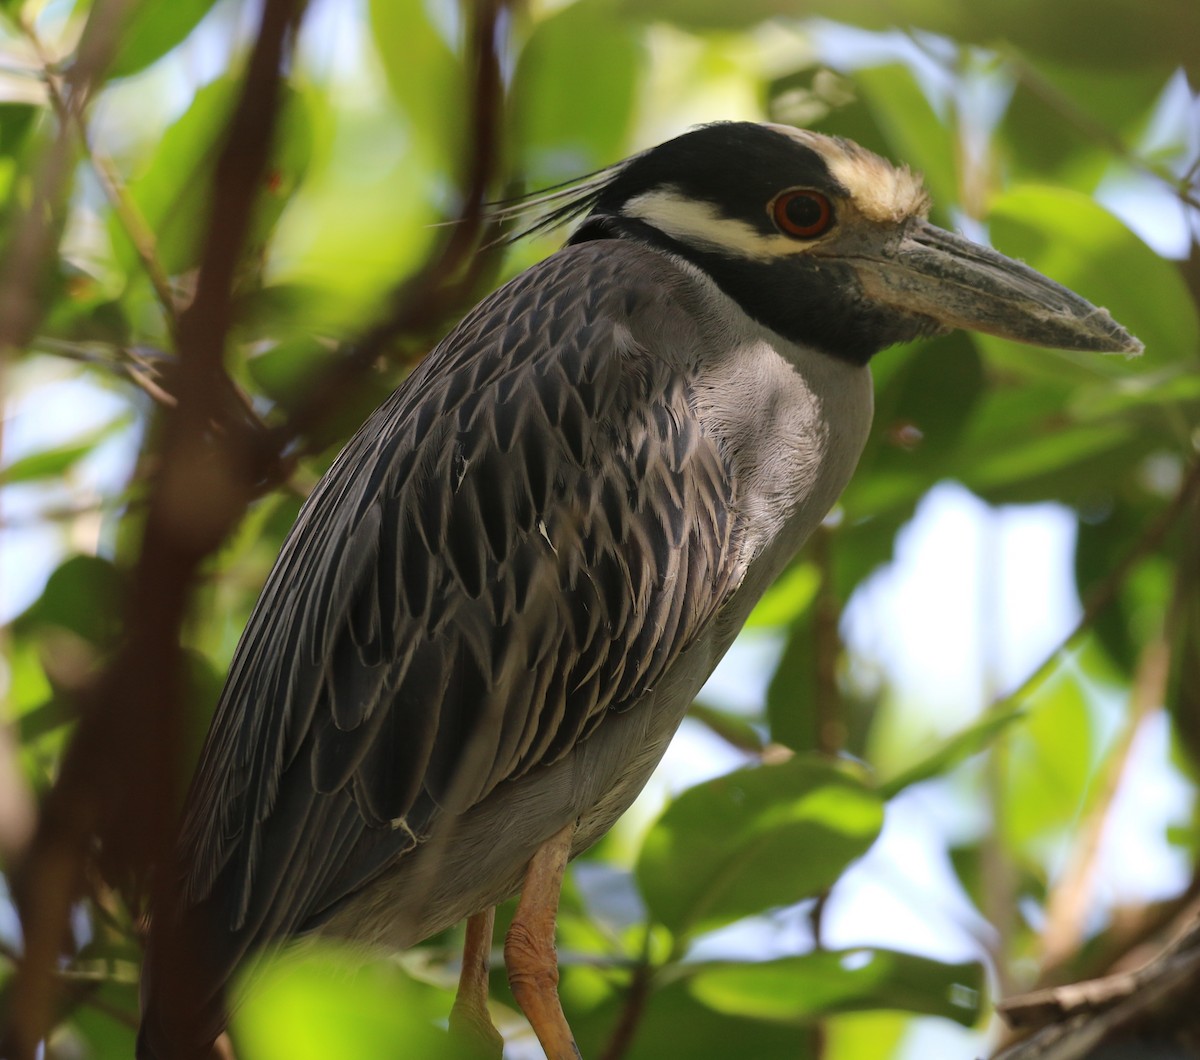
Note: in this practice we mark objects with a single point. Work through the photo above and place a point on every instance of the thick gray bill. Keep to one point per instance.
(961, 284)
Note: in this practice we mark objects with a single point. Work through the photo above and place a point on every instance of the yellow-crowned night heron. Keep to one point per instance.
(495, 608)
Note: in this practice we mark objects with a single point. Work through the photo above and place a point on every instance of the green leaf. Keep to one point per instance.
(427, 78)
(732, 728)
(1104, 35)
(792, 691)
(154, 29)
(855, 1035)
(16, 119)
(754, 839)
(1183, 695)
(720, 14)
(675, 1024)
(173, 193)
(287, 370)
(1173, 390)
(79, 596)
(56, 462)
(1048, 762)
(1060, 120)
(817, 984)
(959, 747)
(789, 597)
(324, 1003)
(1022, 446)
(1100, 544)
(599, 57)
(923, 406)
(1052, 463)
(102, 1019)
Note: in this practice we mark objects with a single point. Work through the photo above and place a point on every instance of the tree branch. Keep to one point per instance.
(121, 773)
(1153, 1003)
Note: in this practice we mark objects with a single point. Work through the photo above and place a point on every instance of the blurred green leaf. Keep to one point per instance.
(1101, 543)
(734, 729)
(1022, 446)
(962, 745)
(154, 29)
(1183, 628)
(79, 597)
(854, 1035)
(287, 370)
(56, 462)
(1048, 762)
(719, 15)
(790, 596)
(1106, 35)
(324, 1003)
(754, 839)
(16, 119)
(1172, 390)
(927, 400)
(599, 57)
(172, 194)
(675, 1024)
(427, 79)
(97, 1019)
(804, 988)
(1101, 34)
(1051, 463)
(792, 691)
(1063, 121)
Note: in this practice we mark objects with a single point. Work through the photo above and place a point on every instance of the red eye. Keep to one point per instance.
(802, 213)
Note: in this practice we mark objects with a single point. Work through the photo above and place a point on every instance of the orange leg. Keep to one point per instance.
(469, 1017)
(529, 948)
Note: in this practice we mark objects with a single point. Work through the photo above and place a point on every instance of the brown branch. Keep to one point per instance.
(637, 994)
(120, 774)
(1155, 1001)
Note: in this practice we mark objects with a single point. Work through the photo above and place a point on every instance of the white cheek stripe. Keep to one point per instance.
(699, 224)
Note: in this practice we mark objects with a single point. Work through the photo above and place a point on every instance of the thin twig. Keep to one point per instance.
(830, 735)
(120, 771)
(132, 223)
(1068, 904)
(34, 233)
(1106, 591)
(1076, 1019)
(637, 994)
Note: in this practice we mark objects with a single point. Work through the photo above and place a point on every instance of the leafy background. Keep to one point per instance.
(990, 790)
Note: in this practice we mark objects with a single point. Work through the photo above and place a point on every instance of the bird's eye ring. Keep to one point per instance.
(802, 213)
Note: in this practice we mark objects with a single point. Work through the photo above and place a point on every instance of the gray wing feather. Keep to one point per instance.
(519, 541)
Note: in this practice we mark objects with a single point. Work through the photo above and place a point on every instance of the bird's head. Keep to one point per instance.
(827, 243)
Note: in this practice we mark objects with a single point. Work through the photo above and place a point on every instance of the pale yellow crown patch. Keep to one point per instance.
(880, 191)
